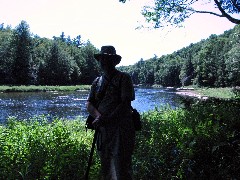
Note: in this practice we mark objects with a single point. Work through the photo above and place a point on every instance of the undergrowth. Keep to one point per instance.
(201, 142)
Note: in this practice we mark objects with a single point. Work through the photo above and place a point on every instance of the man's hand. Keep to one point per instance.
(97, 122)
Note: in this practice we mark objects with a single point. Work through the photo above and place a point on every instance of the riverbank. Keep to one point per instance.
(34, 88)
(190, 93)
(200, 93)
(205, 93)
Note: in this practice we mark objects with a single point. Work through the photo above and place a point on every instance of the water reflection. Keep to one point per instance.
(148, 99)
(26, 105)
(72, 104)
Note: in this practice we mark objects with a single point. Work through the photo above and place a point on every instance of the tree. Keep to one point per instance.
(78, 41)
(58, 66)
(90, 68)
(22, 63)
(233, 58)
(6, 56)
(187, 71)
(174, 12)
(233, 65)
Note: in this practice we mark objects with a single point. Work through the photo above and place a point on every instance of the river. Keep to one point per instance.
(72, 104)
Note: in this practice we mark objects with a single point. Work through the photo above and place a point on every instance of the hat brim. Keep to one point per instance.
(116, 56)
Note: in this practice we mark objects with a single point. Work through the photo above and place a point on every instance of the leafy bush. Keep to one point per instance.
(201, 142)
(37, 149)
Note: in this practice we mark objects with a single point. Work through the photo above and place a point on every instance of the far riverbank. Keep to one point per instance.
(202, 93)
(205, 93)
(34, 88)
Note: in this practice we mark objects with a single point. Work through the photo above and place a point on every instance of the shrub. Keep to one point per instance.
(37, 149)
(198, 143)
(201, 142)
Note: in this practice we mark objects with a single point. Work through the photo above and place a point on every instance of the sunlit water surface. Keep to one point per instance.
(72, 104)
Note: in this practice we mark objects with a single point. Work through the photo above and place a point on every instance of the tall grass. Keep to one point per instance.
(201, 142)
(37, 149)
(226, 93)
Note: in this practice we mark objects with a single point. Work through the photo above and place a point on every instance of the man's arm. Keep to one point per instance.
(92, 110)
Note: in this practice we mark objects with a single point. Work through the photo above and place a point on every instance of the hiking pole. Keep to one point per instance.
(91, 155)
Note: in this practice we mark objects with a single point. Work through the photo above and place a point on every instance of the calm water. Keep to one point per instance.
(72, 104)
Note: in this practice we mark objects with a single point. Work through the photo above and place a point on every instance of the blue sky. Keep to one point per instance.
(108, 22)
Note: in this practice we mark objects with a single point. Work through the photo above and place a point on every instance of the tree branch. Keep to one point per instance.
(206, 12)
(224, 14)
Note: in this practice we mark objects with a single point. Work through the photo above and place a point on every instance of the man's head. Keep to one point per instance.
(108, 55)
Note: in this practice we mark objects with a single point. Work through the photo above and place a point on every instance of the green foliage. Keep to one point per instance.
(90, 67)
(26, 59)
(22, 60)
(58, 67)
(37, 149)
(6, 57)
(233, 64)
(162, 13)
(213, 62)
(201, 142)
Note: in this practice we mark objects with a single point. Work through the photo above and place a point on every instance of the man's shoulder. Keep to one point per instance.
(123, 74)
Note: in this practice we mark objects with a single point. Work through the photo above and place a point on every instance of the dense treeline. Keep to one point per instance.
(214, 62)
(28, 59)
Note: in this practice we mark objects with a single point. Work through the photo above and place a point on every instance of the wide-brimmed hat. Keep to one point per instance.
(110, 52)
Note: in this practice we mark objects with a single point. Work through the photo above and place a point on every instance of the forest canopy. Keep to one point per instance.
(27, 59)
(214, 62)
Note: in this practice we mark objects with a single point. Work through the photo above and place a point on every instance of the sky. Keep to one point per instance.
(109, 22)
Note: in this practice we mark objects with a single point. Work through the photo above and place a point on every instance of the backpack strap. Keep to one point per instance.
(100, 89)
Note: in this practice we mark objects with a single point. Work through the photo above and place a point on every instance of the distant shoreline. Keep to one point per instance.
(191, 93)
(34, 88)
(201, 93)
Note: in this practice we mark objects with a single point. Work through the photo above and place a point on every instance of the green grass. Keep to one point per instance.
(36, 149)
(222, 93)
(33, 88)
(226, 93)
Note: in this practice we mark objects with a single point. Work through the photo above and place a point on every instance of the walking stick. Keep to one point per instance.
(91, 155)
